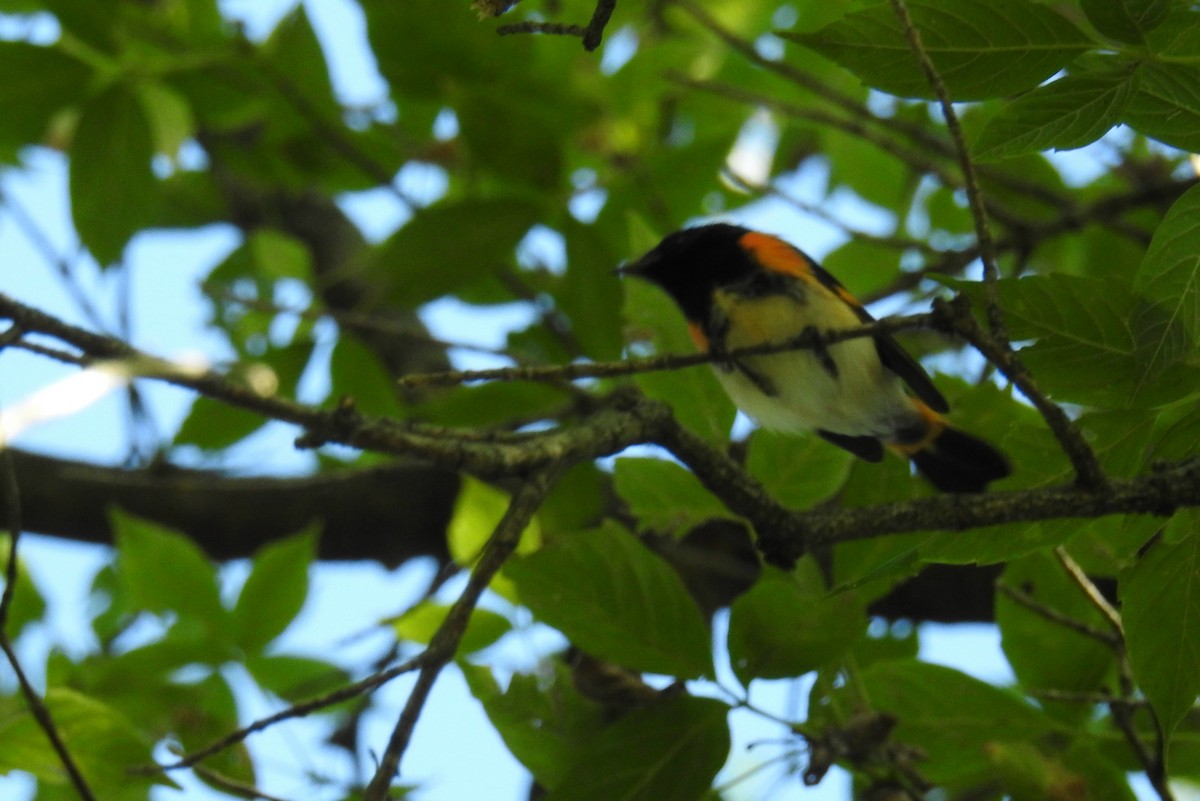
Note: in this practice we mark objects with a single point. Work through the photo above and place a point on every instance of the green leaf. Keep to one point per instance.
(954, 718)
(296, 678)
(787, 625)
(514, 134)
(112, 187)
(669, 751)
(422, 621)
(447, 246)
(663, 494)
(1125, 20)
(29, 105)
(1087, 327)
(476, 514)
(798, 472)
(279, 255)
(103, 743)
(615, 599)
(213, 425)
(1074, 111)
(477, 511)
(1170, 271)
(589, 293)
(1160, 601)
(1045, 654)
(544, 724)
(498, 403)
(169, 115)
(160, 570)
(694, 393)
(274, 591)
(980, 49)
(27, 606)
(355, 372)
(1166, 106)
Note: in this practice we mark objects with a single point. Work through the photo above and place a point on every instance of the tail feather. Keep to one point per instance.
(955, 461)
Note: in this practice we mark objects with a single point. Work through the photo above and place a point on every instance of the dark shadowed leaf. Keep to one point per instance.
(544, 724)
(980, 49)
(616, 599)
(1071, 112)
(789, 624)
(1126, 20)
(669, 751)
(1160, 601)
(112, 188)
(450, 245)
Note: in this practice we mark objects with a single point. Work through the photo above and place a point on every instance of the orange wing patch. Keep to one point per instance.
(772, 253)
(697, 335)
(775, 254)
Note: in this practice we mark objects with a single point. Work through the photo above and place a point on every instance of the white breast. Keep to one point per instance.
(863, 399)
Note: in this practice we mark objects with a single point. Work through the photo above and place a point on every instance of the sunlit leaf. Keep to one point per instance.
(274, 591)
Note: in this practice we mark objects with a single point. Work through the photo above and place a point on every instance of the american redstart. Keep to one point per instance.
(740, 288)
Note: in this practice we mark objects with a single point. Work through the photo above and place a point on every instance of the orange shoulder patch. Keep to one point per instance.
(775, 254)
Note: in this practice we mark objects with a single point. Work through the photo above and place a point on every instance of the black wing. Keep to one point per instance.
(893, 357)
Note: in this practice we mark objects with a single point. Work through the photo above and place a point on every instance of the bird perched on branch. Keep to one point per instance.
(739, 288)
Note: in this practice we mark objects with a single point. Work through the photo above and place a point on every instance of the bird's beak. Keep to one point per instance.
(638, 268)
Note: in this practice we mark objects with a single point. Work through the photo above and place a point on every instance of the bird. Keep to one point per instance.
(738, 288)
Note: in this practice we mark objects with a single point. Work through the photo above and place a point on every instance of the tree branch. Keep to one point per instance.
(500, 546)
(389, 513)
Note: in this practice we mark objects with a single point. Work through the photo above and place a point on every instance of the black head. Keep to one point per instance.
(689, 264)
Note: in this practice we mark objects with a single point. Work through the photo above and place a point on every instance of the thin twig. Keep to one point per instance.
(232, 786)
(552, 28)
(299, 710)
(987, 250)
(445, 641)
(41, 242)
(1094, 699)
(573, 372)
(1088, 472)
(1153, 762)
(592, 34)
(1026, 600)
(595, 28)
(37, 707)
(1090, 591)
(334, 135)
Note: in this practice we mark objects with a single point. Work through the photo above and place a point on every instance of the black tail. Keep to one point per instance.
(955, 461)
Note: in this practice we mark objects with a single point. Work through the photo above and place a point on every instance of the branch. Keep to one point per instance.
(299, 710)
(1088, 472)
(500, 546)
(389, 513)
(983, 234)
(626, 419)
(592, 34)
(1159, 493)
(1154, 763)
(809, 340)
